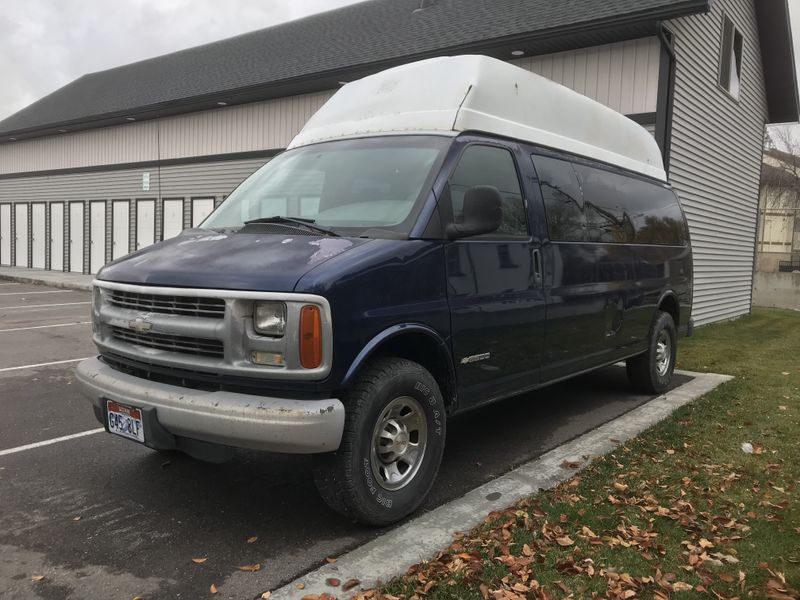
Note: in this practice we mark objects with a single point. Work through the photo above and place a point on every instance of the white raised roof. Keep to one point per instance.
(477, 93)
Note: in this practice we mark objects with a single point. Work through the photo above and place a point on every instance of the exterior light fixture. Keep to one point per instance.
(222, 104)
(517, 52)
(13, 139)
(62, 131)
(130, 119)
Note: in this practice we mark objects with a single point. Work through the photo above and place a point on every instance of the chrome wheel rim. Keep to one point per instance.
(663, 353)
(398, 443)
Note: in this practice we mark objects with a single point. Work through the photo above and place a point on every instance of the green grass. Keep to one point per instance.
(681, 511)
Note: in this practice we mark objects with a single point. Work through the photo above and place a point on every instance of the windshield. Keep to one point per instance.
(349, 186)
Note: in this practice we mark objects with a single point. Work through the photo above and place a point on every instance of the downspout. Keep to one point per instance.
(666, 93)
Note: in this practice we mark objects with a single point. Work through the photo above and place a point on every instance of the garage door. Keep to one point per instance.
(38, 235)
(21, 234)
(57, 236)
(97, 236)
(76, 237)
(5, 234)
(201, 208)
(172, 218)
(145, 223)
(120, 233)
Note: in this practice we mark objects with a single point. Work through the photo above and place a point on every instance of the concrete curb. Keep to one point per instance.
(55, 282)
(394, 552)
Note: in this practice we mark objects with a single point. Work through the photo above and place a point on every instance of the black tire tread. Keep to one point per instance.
(639, 367)
(332, 472)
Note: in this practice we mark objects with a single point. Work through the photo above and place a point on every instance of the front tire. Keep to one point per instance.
(651, 372)
(392, 444)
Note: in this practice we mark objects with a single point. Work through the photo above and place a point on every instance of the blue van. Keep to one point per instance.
(439, 236)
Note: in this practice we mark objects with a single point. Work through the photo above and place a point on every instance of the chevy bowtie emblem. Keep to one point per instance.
(140, 325)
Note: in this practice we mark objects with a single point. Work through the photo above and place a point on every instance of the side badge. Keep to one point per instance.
(468, 360)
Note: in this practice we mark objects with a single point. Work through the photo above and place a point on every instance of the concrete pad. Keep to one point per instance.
(421, 538)
(58, 279)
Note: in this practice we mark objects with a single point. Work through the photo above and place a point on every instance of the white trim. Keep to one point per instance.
(64, 438)
(45, 326)
(47, 364)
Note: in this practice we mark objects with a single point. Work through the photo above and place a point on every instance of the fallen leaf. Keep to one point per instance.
(251, 568)
(350, 584)
(680, 586)
(266, 595)
(564, 541)
(569, 464)
(252, 539)
(333, 582)
(37, 577)
(301, 586)
(620, 486)
(76, 518)
(330, 560)
(670, 451)
(782, 407)
(199, 561)
(213, 589)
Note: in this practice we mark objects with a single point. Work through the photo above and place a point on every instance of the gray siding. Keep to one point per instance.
(716, 157)
(623, 76)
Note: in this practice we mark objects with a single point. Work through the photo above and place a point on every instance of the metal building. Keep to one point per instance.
(120, 159)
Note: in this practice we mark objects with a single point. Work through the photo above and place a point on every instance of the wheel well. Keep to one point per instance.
(426, 351)
(669, 304)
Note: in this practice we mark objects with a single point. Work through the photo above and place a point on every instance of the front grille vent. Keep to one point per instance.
(187, 306)
(171, 343)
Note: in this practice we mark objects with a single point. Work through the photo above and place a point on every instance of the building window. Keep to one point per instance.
(730, 71)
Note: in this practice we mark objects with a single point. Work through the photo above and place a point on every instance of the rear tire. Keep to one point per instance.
(392, 444)
(651, 372)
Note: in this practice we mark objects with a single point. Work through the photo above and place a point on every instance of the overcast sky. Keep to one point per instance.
(45, 44)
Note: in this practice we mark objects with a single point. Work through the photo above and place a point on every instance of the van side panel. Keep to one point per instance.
(618, 243)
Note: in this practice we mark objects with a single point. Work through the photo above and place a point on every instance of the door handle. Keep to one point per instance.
(537, 266)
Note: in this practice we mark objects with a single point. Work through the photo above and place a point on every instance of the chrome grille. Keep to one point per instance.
(188, 306)
(171, 343)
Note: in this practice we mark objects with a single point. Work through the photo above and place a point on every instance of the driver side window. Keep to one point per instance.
(490, 165)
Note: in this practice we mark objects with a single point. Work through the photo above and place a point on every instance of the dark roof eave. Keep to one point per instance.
(777, 55)
(568, 37)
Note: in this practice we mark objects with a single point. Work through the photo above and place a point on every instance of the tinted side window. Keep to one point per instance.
(604, 194)
(490, 165)
(563, 199)
(656, 215)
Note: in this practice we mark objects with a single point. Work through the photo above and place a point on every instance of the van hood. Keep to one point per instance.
(230, 260)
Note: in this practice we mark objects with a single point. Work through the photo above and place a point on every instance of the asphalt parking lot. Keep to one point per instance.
(102, 517)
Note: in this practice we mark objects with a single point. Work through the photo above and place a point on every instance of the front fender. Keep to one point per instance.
(392, 332)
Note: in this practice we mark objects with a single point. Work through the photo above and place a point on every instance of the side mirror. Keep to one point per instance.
(483, 213)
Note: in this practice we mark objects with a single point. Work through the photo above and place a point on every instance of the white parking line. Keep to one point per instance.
(45, 326)
(47, 364)
(29, 293)
(42, 305)
(9, 284)
(50, 442)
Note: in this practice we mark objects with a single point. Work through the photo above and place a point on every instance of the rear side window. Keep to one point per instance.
(594, 205)
(604, 195)
(563, 199)
(490, 165)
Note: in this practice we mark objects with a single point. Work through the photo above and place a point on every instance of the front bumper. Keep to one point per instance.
(215, 417)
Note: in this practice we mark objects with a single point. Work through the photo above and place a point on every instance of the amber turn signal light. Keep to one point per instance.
(310, 337)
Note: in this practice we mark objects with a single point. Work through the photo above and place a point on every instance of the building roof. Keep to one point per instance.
(478, 93)
(319, 51)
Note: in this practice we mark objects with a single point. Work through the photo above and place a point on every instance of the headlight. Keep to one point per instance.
(269, 318)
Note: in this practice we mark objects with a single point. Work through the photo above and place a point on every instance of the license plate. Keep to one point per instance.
(125, 421)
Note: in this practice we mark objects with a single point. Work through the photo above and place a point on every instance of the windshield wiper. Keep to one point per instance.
(307, 223)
